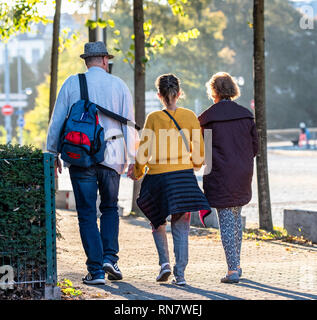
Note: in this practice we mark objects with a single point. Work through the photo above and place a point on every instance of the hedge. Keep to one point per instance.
(22, 206)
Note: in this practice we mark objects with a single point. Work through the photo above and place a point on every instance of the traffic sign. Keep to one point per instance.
(15, 103)
(19, 112)
(21, 122)
(7, 110)
(14, 96)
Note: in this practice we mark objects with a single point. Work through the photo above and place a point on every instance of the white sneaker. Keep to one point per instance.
(179, 282)
(90, 279)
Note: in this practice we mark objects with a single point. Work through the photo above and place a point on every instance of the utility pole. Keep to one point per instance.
(99, 35)
(7, 118)
(20, 117)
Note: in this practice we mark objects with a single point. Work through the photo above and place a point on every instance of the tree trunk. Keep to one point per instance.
(54, 66)
(265, 216)
(54, 57)
(139, 79)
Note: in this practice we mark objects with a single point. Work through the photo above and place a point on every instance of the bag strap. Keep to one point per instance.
(108, 113)
(117, 117)
(179, 129)
(83, 87)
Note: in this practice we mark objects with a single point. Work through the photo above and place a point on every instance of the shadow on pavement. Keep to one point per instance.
(137, 222)
(130, 292)
(212, 295)
(275, 290)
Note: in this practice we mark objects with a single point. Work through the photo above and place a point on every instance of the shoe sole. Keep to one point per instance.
(180, 284)
(99, 281)
(164, 276)
(111, 273)
(229, 281)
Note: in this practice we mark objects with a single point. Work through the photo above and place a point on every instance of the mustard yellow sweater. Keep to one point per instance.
(162, 148)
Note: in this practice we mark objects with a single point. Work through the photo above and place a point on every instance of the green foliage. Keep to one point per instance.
(177, 7)
(93, 24)
(19, 16)
(67, 39)
(155, 42)
(191, 51)
(22, 204)
(173, 43)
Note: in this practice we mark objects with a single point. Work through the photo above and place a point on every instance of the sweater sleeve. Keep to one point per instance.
(198, 147)
(144, 154)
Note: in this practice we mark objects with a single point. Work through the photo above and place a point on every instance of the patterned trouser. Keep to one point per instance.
(231, 234)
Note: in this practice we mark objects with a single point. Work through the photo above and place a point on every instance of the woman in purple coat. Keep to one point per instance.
(234, 145)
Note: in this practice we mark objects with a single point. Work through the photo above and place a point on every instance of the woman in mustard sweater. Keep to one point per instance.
(171, 149)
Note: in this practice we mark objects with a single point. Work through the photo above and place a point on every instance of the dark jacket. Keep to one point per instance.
(234, 145)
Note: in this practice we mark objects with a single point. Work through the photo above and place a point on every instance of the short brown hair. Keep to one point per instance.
(223, 85)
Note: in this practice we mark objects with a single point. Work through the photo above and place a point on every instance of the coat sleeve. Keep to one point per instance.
(198, 147)
(255, 140)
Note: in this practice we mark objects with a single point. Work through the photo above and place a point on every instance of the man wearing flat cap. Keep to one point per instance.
(109, 92)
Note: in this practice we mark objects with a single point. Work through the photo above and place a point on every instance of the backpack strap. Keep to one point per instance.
(84, 96)
(179, 129)
(117, 117)
(83, 87)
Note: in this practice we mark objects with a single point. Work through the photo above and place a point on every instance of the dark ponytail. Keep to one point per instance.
(168, 86)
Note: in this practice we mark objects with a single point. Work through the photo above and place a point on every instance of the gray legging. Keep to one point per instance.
(231, 235)
(180, 224)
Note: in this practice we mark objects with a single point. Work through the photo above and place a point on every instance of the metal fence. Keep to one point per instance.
(29, 259)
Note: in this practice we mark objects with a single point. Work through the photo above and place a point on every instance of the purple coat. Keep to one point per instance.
(234, 145)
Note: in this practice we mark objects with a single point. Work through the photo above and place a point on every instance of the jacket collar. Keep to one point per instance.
(224, 110)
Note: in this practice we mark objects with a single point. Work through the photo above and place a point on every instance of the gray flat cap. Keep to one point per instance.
(96, 49)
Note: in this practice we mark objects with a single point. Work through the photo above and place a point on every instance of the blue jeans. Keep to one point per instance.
(180, 224)
(231, 235)
(100, 245)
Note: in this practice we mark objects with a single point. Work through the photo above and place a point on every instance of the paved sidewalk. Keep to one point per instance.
(271, 270)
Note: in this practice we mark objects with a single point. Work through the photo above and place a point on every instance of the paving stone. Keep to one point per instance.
(271, 270)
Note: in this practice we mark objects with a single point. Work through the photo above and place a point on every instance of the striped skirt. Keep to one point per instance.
(170, 193)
